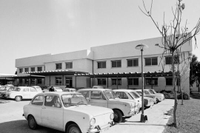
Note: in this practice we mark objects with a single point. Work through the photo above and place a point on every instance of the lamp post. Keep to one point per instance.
(140, 47)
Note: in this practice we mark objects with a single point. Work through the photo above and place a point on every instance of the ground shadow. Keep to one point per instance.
(21, 126)
(195, 95)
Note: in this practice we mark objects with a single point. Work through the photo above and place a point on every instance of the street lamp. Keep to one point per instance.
(140, 47)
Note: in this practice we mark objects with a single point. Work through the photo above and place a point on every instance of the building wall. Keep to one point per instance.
(86, 61)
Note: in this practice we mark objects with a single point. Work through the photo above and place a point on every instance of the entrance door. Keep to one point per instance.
(68, 82)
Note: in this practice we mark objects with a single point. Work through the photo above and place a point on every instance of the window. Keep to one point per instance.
(101, 64)
(101, 81)
(32, 89)
(151, 61)
(39, 68)
(26, 69)
(132, 62)
(69, 65)
(116, 81)
(133, 81)
(58, 80)
(39, 81)
(151, 81)
(168, 60)
(116, 63)
(97, 95)
(52, 101)
(20, 70)
(26, 81)
(122, 95)
(32, 69)
(58, 65)
(38, 100)
(85, 94)
(169, 81)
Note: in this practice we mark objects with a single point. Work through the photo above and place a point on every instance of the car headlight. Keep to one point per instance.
(92, 121)
(112, 116)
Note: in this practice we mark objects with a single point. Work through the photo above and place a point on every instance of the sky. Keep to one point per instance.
(37, 27)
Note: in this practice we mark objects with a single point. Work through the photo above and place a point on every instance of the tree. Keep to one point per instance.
(194, 70)
(173, 38)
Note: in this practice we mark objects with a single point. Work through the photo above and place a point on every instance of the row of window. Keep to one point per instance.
(150, 61)
(33, 69)
(135, 81)
(68, 65)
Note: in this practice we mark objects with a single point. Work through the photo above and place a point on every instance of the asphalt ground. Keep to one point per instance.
(11, 119)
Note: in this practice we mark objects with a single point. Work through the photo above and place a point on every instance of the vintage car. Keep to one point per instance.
(67, 112)
(129, 94)
(147, 94)
(22, 92)
(148, 101)
(106, 98)
(160, 97)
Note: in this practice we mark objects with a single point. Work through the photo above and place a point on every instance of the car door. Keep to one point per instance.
(52, 114)
(98, 99)
(25, 92)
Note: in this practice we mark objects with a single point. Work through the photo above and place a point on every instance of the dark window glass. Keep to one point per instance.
(168, 60)
(101, 64)
(69, 65)
(132, 62)
(115, 81)
(101, 81)
(20, 70)
(169, 81)
(116, 63)
(133, 81)
(151, 61)
(39, 81)
(59, 66)
(26, 69)
(58, 80)
(32, 69)
(151, 81)
(39, 68)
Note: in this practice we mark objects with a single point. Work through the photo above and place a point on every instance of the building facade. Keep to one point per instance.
(64, 69)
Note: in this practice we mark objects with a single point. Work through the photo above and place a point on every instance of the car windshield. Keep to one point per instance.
(110, 94)
(152, 91)
(135, 94)
(146, 92)
(73, 100)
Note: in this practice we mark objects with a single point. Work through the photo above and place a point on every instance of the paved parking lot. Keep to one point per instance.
(11, 119)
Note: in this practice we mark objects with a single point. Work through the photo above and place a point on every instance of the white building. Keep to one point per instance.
(113, 66)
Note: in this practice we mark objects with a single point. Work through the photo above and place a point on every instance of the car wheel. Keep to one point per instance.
(117, 116)
(18, 98)
(32, 123)
(73, 128)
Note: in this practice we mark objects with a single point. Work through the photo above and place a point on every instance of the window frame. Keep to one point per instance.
(114, 81)
(58, 66)
(70, 64)
(116, 63)
(101, 81)
(58, 80)
(149, 81)
(101, 64)
(132, 80)
(132, 63)
(149, 60)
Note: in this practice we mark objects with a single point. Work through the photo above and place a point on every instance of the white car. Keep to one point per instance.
(67, 112)
(130, 94)
(160, 97)
(22, 92)
(106, 98)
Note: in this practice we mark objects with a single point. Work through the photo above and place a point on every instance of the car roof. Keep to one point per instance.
(127, 90)
(58, 93)
(89, 89)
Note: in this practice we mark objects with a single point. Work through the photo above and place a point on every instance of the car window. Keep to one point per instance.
(52, 101)
(146, 92)
(38, 100)
(26, 90)
(152, 91)
(122, 95)
(85, 94)
(97, 95)
(33, 90)
(135, 95)
(73, 100)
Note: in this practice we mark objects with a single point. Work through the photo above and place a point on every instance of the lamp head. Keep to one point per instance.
(141, 46)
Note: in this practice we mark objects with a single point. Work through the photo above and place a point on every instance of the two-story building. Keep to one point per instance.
(112, 66)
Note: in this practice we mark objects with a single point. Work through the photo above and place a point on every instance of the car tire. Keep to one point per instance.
(117, 116)
(73, 128)
(32, 123)
(18, 98)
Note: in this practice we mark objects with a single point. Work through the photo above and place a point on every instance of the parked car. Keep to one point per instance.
(129, 94)
(98, 86)
(160, 97)
(148, 100)
(22, 92)
(106, 98)
(5, 89)
(53, 88)
(67, 112)
(147, 94)
(38, 88)
(69, 89)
